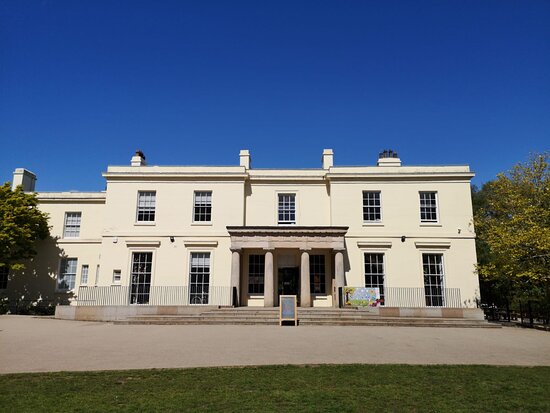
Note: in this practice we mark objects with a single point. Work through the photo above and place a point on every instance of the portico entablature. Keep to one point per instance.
(304, 238)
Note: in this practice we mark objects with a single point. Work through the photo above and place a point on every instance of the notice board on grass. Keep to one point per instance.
(288, 309)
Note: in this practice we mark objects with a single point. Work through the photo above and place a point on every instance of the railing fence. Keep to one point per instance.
(153, 295)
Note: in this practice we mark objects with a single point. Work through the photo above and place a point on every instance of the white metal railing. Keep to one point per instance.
(153, 295)
(419, 297)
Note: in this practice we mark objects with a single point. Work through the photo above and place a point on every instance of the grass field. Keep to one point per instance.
(327, 388)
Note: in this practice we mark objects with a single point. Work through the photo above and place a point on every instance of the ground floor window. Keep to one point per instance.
(67, 274)
(433, 279)
(374, 273)
(199, 277)
(317, 274)
(84, 275)
(4, 271)
(142, 263)
(256, 274)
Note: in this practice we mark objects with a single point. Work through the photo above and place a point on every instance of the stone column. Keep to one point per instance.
(305, 293)
(268, 279)
(339, 276)
(236, 277)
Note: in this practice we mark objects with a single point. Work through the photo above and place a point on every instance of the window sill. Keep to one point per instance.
(145, 224)
(286, 224)
(430, 224)
(372, 224)
(202, 224)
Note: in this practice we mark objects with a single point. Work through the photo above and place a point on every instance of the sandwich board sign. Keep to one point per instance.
(288, 309)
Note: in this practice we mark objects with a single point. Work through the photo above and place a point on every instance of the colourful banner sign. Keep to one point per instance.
(361, 297)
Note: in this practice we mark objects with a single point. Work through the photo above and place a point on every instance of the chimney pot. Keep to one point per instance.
(138, 159)
(388, 157)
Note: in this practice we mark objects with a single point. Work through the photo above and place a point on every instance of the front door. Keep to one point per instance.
(289, 281)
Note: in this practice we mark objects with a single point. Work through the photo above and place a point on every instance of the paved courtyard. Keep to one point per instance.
(30, 344)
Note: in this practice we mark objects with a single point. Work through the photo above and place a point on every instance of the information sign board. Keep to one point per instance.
(288, 309)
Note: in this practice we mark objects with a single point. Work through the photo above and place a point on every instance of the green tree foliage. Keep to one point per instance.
(512, 217)
(21, 225)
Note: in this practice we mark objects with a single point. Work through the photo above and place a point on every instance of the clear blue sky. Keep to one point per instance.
(83, 84)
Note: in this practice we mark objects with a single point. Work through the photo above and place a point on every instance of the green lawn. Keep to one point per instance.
(345, 388)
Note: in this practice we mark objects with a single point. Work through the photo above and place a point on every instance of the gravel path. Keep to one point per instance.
(30, 344)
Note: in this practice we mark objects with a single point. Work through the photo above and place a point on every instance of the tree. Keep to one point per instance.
(512, 217)
(21, 225)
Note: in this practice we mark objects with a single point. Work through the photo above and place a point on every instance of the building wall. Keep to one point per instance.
(244, 197)
(312, 203)
(36, 284)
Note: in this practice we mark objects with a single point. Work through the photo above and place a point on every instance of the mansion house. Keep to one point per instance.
(240, 236)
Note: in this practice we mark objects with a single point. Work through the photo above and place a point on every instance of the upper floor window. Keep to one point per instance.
(287, 209)
(428, 206)
(71, 228)
(202, 206)
(67, 274)
(4, 272)
(372, 211)
(146, 206)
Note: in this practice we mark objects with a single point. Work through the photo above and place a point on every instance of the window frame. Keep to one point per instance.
(436, 206)
(431, 297)
(190, 282)
(138, 293)
(65, 226)
(375, 221)
(146, 222)
(256, 275)
(59, 273)
(193, 213)
(381, 286)
(323, 275)
(118, 272)
(82, 280)
(288, 222)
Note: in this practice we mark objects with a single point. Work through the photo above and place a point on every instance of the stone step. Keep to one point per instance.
(226, 319)
(305, 323)
(302, 316)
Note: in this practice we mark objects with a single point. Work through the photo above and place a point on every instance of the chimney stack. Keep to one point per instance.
(138, 159)
(25, 178)
(244, 158)
(388, 158)
(328, 158)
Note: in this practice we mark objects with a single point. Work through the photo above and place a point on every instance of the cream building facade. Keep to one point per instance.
(235, 235)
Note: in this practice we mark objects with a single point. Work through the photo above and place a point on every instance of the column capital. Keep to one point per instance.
(305, 249)
(268, 249)
(239, 250)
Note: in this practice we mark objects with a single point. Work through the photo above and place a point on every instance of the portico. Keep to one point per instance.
(297, 260)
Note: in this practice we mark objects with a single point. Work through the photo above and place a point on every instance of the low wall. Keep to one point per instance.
(121, 312)
(435, 312)
(114, 313)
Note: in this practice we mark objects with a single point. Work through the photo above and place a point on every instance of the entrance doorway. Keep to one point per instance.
(289, 281)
